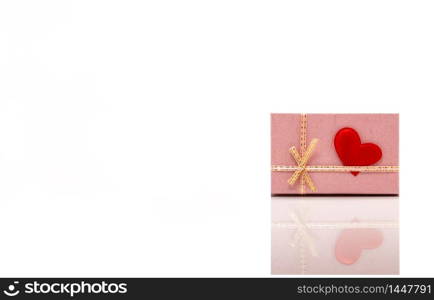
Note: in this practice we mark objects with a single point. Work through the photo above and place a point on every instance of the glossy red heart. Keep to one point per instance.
(352, 152)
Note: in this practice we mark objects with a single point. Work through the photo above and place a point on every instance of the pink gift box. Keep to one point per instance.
(312, 235)
(328, 170)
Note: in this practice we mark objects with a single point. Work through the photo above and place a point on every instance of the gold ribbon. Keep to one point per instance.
(302, 169)
(302, 161)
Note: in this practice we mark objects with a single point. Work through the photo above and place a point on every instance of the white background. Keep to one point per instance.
(134, 135)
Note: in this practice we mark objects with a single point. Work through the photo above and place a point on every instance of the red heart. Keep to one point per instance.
(352, 152)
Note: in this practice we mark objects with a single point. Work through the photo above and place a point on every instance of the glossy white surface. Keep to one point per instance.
(319, 221)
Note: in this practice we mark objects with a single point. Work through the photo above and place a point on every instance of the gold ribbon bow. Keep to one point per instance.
(302, 162)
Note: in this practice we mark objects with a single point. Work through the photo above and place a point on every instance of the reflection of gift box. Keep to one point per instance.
(334, 154)
(335, 235)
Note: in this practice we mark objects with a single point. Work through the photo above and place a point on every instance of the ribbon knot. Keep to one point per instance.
(301, 161)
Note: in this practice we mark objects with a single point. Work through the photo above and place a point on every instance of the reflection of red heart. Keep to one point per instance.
(351, 242)
(352, 152)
